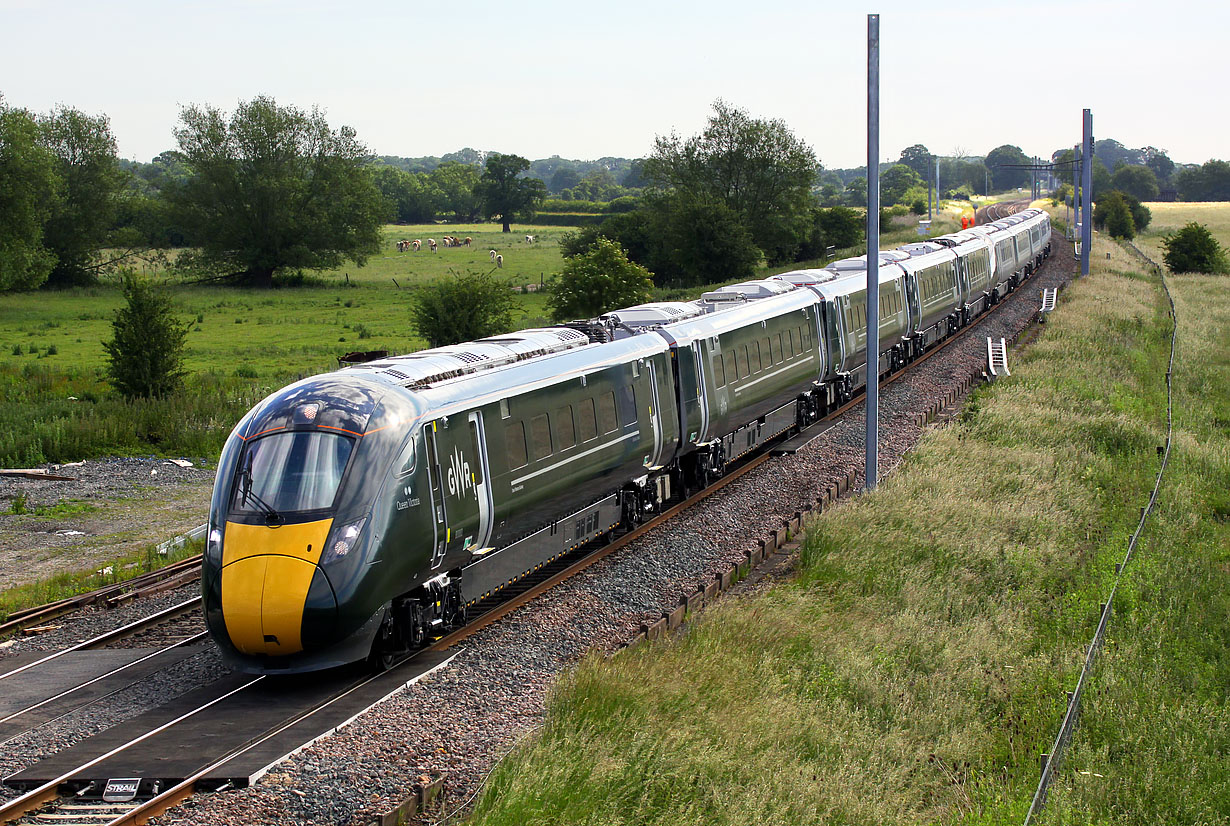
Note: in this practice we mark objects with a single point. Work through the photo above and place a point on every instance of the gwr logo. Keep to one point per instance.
(460, 478)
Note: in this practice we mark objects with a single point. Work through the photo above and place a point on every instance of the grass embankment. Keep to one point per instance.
(917, 667)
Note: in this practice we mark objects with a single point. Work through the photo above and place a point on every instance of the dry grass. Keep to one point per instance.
(1170, 217)
(917, 667)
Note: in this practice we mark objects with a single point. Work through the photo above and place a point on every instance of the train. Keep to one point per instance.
(359, 513)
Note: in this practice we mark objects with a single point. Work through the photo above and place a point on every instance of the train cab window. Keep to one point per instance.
(741, 361)
(587, 427)
(606, 412)
(719, 372)
(565, 430)
(753, 357)
(732, 366)
(514, 439)
(540, 436)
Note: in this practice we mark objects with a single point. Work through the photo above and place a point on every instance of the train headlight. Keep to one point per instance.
(213, 544)
(343, 541)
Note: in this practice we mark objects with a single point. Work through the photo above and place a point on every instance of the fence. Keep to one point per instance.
(1051, 761)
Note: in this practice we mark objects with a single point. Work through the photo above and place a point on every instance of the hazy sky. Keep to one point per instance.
(586, 80)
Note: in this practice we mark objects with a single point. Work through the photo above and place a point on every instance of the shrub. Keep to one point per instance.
(462, 307)
(1119, 221)
(145, 357)
(597, 281)
(1194, 249)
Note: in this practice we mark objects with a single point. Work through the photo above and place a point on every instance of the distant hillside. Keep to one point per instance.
(556, 172)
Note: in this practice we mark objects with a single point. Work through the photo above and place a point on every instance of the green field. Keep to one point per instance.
(916, 668)
(1170, 217)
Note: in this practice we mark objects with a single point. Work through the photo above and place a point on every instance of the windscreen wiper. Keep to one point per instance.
(246, 492)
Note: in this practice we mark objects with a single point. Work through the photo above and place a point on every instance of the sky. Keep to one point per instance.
(588, 80)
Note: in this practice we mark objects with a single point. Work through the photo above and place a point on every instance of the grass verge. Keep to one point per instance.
(917, 666)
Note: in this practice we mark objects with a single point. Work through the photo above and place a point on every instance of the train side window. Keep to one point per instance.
(719, 372)
(807, 337)
(514, 438)
(628, 394)
(775, 348)
(794, 350)
(540, 436)
(407, 457)
(753, 357)
(606, 412)
(766, 353)
(565, 430)
(741, 361)
(587, 426)
(732, 366)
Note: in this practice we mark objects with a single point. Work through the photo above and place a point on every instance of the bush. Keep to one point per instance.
(1119, 220)
(145, 357)
(1194, 249)
(598, 280)
(462, 307)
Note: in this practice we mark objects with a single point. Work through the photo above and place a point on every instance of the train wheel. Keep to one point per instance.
(384, 648)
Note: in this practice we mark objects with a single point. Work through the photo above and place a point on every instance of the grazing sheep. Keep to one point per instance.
(529, 239)
(499, 261)
(492, 253)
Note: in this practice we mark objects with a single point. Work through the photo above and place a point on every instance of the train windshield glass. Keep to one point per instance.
(287, 472)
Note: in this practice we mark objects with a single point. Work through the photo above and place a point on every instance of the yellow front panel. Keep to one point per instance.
(266, 574)
(243, 585)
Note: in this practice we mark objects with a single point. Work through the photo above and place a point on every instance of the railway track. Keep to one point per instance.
(994, 212)
(52, 792)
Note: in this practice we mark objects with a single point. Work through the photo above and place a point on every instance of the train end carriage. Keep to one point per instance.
(1004, 271)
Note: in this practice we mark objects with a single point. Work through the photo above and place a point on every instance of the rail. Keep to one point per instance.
(1050, 761)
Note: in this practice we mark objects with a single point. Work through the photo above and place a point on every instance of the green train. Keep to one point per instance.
(358, 513)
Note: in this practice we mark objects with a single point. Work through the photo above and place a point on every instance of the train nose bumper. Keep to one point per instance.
(269, 579)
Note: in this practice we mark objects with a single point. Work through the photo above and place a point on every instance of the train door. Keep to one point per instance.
(702, 393)
(457, 450)
(439, 515)
(655, 412)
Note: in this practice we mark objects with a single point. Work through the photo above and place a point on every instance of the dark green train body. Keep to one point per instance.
(358, 512)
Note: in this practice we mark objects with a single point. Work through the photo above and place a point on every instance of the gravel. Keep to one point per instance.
(463, 718)
(111, 508)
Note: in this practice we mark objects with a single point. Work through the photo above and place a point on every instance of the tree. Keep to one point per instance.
(895, 181)
(145, 355)
(696, 241)
(1208, 182)
(598, 280)
(30, 188)
(462, 307)
(411, 195)
(920, 159)
(1005, 164)
(1194, 249)
(79, 225)
(841, 227)
(565, 177)
(1118, 217)
(856, 192)
(455, 182)
(1139, 181)
(1157, 160)
(758, 169)
(504, 192)
(1103, 181)
(275, 188)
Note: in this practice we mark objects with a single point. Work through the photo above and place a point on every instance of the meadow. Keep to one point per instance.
(1170, 217)
(916, 674)
(245, 343)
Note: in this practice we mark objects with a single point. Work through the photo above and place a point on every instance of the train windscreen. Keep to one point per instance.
(291, 472)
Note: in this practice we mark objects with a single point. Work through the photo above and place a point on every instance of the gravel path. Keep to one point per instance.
(111, 508)
(462, 719)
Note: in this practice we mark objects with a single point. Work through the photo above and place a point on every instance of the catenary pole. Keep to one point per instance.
(873, 249)
(1087, 191)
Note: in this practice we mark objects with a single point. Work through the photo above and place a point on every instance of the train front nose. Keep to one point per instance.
(271, 583)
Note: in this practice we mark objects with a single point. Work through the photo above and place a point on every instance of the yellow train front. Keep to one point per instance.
(294, 576)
